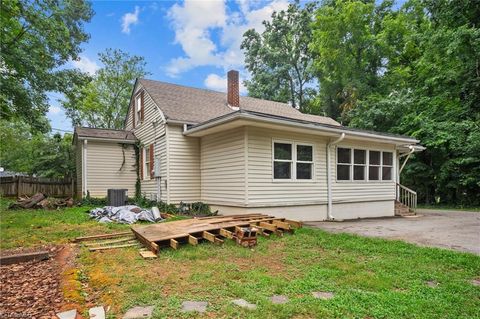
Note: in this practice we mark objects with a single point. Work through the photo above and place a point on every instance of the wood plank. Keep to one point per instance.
(226, 233)
(147, 254)
(268, 226)
(18, 258)
(102, 236)
(293, 223)
(174, 244)
(113, 247)
(192, 240)
(282, 225)
(109, 242)
(208, 236)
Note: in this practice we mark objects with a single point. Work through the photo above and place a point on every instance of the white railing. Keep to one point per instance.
(407, 197)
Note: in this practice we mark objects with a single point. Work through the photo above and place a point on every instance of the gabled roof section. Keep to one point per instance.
(103, 134)
(193, 105)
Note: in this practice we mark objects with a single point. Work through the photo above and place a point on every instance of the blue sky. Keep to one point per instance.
(192, 42)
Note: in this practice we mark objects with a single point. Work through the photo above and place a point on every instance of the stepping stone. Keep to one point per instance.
(325, 295)
(70, 314)
(432, 283)
(139, 313)
(244, 304)
(190, 306)
(475, 282)
(96, 313)
(279, 299)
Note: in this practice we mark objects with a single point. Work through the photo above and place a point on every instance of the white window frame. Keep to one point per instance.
(366, 166)
(383, 165)
(293, 162)
(379, 166)
(138, 108)
(350, 168)
(146, 163)
(312, 162)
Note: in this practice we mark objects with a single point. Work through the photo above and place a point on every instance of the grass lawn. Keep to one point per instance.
(371, 278)
(450, 207)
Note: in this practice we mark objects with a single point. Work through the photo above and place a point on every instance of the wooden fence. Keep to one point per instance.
(14, 186)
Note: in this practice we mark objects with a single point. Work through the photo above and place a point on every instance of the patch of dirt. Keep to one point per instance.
(35, 289)
(30, 289)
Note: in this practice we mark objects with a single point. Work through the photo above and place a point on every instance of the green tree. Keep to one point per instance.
(279, 59)
(103, 102)
(40, 154)
(37, 38)
(431, 91)
(349, 60)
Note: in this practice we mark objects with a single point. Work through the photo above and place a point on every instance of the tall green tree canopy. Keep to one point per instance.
(40, 154)
(38, 37)
(279, 58)
(103, 102)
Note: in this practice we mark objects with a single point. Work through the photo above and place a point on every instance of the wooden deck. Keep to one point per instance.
(213, 229)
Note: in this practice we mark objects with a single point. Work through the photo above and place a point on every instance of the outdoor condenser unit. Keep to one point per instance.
(117, 197)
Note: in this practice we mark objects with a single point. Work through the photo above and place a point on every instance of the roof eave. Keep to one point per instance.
(245, 115)
(102, 139)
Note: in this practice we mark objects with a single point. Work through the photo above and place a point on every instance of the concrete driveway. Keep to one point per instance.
(455, 230)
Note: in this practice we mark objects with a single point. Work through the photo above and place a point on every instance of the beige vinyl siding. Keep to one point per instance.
(184, 166)
(223, 168)
(151, 131)
(79, 168)
(358, 191)
(105, 170)
(263, 190)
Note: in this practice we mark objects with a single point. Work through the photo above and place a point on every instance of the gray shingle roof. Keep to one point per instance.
(86, 132)
(193, 105)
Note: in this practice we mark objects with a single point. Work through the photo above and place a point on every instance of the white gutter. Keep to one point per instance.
(237, 115)
(329, 177)
(81, 138)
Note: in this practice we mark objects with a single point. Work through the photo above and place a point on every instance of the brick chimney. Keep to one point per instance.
(233, 94)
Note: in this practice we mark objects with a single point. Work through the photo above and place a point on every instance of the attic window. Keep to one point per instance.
(138, 108)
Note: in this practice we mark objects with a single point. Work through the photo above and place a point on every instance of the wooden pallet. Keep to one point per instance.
(214, 229)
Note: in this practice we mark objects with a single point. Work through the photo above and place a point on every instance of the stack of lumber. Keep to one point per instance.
(109, 241)
(214, 229)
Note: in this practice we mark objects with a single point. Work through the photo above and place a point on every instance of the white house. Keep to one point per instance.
(242, 155)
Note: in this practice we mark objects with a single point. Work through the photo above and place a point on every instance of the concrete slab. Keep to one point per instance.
(325, 295)
(96, 313)
(191, 306)
(456, 230)
(475, 282)
(139, 313)
(279, 299)
(70, 314)
(432, 283)
(244, 304)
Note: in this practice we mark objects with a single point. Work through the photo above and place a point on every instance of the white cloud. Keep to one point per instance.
(54, 109)
(130, 18)
(219, 83)
(86, 65)
(196, 22)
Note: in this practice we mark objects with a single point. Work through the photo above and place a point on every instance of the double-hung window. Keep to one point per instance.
(282, 160)
(304, 164)
(292, 161)
(138, 108)
(374, 160)
(344, 163)
(146, 167)
(359, 164)
(387, 166)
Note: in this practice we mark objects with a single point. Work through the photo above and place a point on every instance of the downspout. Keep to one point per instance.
(85, 185)
(329, 178)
